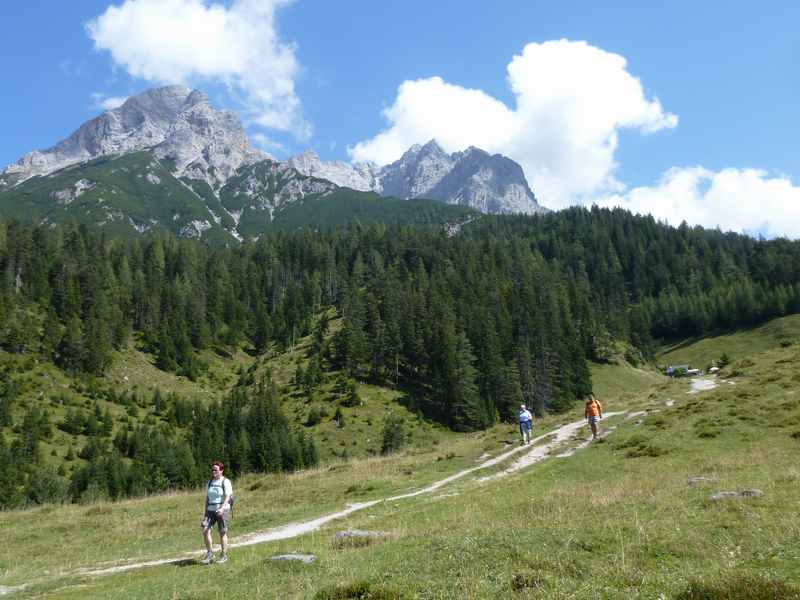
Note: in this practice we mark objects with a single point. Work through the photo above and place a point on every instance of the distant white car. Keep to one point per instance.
(691, 372)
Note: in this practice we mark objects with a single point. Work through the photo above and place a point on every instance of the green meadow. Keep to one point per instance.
(616, 519)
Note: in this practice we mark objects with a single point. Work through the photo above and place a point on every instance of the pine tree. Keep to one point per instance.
(468, 412)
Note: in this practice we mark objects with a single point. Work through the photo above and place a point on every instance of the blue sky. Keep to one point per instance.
(709, 135)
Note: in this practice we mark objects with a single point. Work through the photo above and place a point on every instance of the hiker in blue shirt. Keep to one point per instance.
(525, 424)
(219, 499)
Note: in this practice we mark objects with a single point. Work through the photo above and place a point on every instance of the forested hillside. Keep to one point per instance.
(507, 311)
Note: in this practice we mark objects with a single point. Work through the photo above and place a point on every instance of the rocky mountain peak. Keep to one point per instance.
(417, 172)
(472, 177)
(158, 104)
(174, 121)
(360, 177)
(432, 147)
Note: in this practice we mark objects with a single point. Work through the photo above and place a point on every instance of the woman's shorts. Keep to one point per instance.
(212, 518)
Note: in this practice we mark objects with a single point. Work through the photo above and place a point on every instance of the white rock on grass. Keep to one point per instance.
(698, 480)
(296, 556)
(752, 493)
(359, 533)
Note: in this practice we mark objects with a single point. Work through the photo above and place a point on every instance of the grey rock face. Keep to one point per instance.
(488, 183)
(174, 121)
(270, 185)
(361, 176)
(417, 173)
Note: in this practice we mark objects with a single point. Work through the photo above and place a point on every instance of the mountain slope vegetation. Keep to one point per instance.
(129, 194)
(457, 330)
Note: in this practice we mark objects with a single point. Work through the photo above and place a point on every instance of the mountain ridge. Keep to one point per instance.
(492, 184)
(174, 121)
(167, 158)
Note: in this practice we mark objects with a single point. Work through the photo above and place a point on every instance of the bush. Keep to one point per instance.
(339, 418)
(314, 417)
(394, 434)
(351, 398)
(639, 446)
(46, 486)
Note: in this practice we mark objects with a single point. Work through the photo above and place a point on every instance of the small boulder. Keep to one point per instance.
(357, 538)
(699, 480)
(752, 493)
(359, 533)
(303, 558)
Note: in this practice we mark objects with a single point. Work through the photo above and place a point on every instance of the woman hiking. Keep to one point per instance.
(219, 497)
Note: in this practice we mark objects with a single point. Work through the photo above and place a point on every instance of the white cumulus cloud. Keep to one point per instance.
(101, 101)
(744, 200)
(185, 41)
(572, 99)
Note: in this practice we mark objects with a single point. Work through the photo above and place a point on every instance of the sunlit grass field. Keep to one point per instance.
(617, 519)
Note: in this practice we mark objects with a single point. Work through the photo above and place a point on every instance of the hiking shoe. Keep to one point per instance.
(222, 558)
(208, 559)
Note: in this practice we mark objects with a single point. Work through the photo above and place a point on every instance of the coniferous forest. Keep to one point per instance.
(508, 310)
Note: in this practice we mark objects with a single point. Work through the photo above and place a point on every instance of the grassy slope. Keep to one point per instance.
(134, 370)
(616, 520)
(363, 425)
(54, 390)
(121, 192)
(739, 344)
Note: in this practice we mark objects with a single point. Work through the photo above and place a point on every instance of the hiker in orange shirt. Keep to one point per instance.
(594, 412)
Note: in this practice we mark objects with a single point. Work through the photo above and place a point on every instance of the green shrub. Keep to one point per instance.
(314, 417)
(639, 445)
(47, 486)
(394, 434)
(646, 450)
(635, 440)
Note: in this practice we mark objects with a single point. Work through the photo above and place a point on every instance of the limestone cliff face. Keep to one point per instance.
(488, 183)
(174, 122)
(359, 176)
